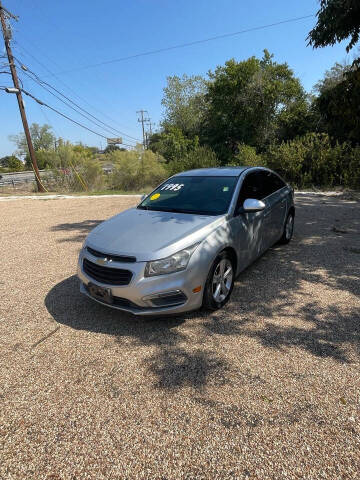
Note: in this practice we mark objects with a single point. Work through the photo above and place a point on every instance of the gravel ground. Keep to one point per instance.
(267, 388)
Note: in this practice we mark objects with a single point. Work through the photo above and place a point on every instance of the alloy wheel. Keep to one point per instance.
(222, 280)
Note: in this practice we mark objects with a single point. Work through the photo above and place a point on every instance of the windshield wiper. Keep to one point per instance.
(178, 210)
(190, 212)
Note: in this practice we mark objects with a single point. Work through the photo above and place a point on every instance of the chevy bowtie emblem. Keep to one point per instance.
(102, 261)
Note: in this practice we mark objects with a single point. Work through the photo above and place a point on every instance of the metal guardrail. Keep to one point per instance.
(17, 178)
(12, 182)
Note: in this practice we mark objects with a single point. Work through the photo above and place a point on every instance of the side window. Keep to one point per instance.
(278, 182)
(272, 183)
(259, 185)
(252, 187)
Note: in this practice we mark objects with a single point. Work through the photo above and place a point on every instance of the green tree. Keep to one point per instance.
(172, 144)
(332, 77)
(44, 159)
(313, 160)
(199, 157)
(112, 148)
(11, 163)
(135, 169)
(184, 103)
(74, 168)
(337, 104)
(41, 135)
(337, 20)
(244, 101)
(297, 119)
(247, 156)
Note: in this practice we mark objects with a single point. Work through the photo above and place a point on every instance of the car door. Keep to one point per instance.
(250, 229)
(276, 198)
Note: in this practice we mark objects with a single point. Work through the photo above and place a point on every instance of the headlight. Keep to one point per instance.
(175, 263)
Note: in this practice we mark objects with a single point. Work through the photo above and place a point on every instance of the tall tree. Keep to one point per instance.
(172, 144)
(184, 103)
(42, 138)
(244, 101)
(338, 103)
(337, 20)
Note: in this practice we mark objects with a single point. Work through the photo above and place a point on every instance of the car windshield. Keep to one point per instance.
(199, 195)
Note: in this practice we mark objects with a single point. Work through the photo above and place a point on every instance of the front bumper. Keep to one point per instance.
(135, 297)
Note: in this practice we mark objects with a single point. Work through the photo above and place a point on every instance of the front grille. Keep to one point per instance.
(109, 256)
(107, 275)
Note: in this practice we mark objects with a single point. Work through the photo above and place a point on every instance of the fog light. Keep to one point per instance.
(166, 299)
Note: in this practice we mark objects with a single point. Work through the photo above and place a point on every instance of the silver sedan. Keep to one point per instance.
(182, 247)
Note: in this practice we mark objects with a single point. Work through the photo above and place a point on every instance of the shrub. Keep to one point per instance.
(247, 157)
(11, 163)
(352, 172)
(311, 160)
(135, 169)
(74, 169)
(200, 157)
(172, 144)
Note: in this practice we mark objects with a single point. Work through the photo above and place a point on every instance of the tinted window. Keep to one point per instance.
(259, 185)
(277, 182)
(201, 195)
(252, 187)
(272, 183)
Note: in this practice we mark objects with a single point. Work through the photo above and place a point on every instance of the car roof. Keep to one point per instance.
(214, 172)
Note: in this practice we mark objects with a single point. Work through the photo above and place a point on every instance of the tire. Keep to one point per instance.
(219, 285)
(288, 229)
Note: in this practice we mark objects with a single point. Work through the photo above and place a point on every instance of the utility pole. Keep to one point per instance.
(148, 133)
(6, 36)
(142, 119)
(150, 124)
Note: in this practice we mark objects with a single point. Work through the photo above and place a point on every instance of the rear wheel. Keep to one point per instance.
(288, 229)
(220, 283)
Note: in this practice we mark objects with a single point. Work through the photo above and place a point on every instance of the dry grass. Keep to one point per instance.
(267, 388)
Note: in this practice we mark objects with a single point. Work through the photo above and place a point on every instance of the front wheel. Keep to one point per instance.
(220, 283)
(288, 229)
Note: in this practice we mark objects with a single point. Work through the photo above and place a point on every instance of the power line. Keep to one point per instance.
(70, 106)
(42, 83)
(68, 87)
(188, 44)
(40, 102)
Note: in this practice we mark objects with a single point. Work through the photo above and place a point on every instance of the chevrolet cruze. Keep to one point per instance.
(182, 247)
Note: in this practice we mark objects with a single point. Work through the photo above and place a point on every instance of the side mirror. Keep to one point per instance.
(253, 205)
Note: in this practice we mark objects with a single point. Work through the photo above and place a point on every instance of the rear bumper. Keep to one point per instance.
(135, 297)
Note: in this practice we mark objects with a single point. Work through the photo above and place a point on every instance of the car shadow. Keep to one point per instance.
(173, 364)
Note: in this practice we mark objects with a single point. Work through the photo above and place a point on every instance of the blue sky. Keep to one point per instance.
(58, 36)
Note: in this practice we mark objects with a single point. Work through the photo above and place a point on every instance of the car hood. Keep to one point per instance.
(150, 235)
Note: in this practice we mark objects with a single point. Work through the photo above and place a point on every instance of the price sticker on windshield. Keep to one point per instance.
(174, 187)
